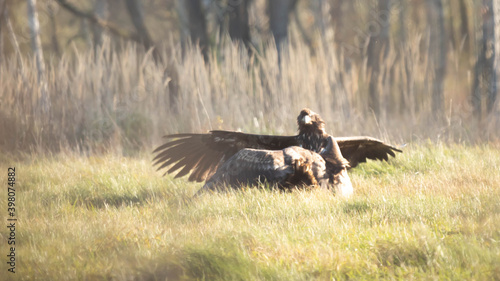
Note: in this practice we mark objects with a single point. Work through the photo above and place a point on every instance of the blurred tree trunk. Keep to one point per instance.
(15, 43)
(407, 101)
(449, 24)
(3, 21)
(53, 26)
(321, 15)
(197, 25)
(484, 71)
(403, 14)
(336, 18)
(180, 8)
(279, 11)
(134, 9)
(101, 10)
(377, 51)
(302, 29)
(437, 55)
(36, 45)
(492, 95)
(137, 16)
(239, 25)
(464, 27)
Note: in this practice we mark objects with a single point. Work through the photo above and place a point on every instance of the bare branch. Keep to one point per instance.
(103, 23)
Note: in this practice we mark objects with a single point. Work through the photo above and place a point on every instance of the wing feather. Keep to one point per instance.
(201, 154)
(170, 144)
(178, 155)
(168, 162)
(206, 167)
(179, 165)
(358, 149)
(184, 159)
(198, 169)
(184, 171)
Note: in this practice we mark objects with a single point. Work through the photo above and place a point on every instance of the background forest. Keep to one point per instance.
(101, 73)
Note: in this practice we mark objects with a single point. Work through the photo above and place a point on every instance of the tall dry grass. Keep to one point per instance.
(121, 98)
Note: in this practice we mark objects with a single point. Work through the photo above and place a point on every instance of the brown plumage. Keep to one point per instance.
(292, 167)
(202, 154)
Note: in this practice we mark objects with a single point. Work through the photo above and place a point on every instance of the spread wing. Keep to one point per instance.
(201, 154)
(357, 149)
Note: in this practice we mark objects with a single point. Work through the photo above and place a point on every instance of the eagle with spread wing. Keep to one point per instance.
(202, 154)
(292, 167)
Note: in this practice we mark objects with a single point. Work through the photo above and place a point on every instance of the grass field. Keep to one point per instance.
(432, 213)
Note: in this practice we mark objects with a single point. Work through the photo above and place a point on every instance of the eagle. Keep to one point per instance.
(202, 154)
(289, 168)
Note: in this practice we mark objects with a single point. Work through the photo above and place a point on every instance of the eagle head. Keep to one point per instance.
(310, 121)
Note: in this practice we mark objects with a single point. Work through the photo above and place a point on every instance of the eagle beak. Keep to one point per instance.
(307, 120)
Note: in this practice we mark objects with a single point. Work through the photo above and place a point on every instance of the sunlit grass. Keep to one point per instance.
(433, 212)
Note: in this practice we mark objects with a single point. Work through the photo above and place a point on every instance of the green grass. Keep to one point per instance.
(432, 213)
